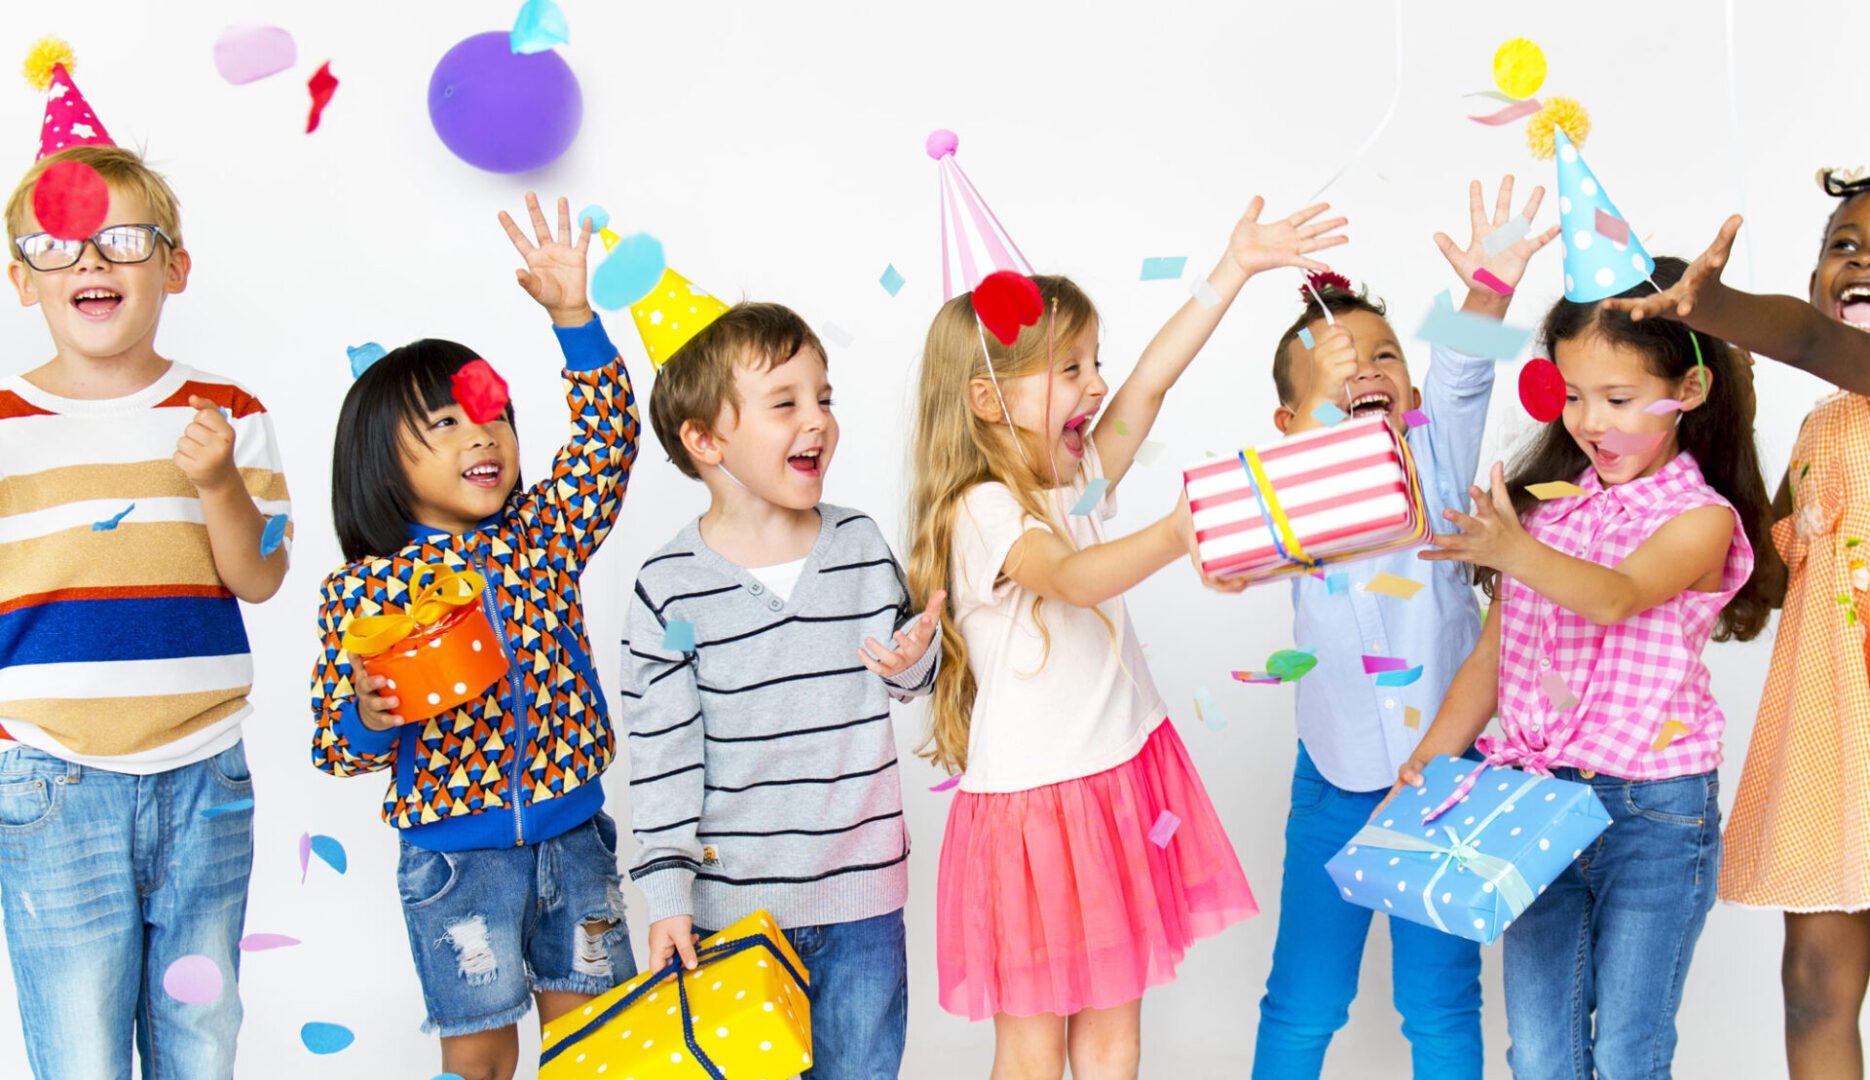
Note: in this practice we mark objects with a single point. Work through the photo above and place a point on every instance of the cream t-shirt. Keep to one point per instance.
(1040, 718)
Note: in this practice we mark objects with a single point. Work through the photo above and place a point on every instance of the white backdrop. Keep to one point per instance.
(777, 152)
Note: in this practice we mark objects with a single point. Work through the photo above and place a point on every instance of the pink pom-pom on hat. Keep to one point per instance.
(69, 120)
(970, 233)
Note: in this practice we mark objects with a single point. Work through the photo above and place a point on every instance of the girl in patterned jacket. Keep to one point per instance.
(1605, 597)
(508, 865)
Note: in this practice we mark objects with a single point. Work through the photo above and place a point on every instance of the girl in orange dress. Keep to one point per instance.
(1798, 839)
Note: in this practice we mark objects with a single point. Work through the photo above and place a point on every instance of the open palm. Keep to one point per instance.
(1255, 246)
(1510, 264)
(554, 273)
(1679, 299)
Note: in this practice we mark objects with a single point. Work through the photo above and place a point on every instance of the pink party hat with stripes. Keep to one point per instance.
(973, 242)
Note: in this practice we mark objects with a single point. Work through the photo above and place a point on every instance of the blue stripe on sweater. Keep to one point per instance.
(142, 628)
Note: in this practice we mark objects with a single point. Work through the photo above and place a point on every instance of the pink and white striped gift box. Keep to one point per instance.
(1347, 492)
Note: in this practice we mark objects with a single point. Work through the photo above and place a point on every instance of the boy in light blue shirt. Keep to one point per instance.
(1354, 734)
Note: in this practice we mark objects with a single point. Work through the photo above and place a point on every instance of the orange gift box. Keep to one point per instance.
(438, 655)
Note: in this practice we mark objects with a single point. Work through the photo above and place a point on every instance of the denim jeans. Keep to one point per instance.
(106, 879)
(859, 993)
(1320, 947)
(1614, 934)
(489, 927)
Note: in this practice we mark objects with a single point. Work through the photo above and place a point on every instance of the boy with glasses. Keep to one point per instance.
(135, 498)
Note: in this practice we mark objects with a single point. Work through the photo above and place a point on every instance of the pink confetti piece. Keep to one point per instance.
(1612, 228)
(263, 942)
(1486, 277)
(1557, 692)
(1376, 665)
(193, 980)
(1509, 114)
(1415, 418)
(1630, 442)
(1163, 829)
(1664, 407)
(948, 784)
(305, 855)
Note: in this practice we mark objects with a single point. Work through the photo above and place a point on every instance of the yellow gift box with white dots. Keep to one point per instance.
(741, 1014)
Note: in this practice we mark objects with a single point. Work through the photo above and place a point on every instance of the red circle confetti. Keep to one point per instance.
(1542, 390)
(70, 200)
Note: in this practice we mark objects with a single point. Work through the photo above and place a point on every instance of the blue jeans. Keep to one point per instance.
(1320, 947)
(491, 926)
(1614, 934)
(859, 993)
(107, 879)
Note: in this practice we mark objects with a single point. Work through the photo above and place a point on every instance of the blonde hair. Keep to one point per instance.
(122, 170)
(954, 450)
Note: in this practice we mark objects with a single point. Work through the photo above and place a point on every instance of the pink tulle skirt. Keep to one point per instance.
(1055, 899)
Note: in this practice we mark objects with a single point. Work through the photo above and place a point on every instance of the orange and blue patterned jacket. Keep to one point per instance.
(522, 763)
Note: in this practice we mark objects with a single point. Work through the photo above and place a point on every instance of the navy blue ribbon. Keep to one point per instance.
(713, 952)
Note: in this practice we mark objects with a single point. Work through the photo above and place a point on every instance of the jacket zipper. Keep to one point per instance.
(515, 709)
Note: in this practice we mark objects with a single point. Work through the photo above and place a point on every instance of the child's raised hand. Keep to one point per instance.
(1509, 265)
(1491, 536)
(1334, 363)
(670, 937)
(376, 700)
(910, 644)
(205, 452)
(554, 272)
(1255, 247)
(1678, 300)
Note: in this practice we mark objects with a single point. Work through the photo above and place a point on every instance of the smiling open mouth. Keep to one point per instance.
(807, 462)
(485, 474)
(1375, 403)
(1854, 306)
(96, 303)
(1073, 435)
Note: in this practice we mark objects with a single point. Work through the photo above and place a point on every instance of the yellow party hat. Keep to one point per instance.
(673, 312)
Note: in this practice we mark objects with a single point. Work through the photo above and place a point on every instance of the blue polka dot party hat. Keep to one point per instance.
(1602, 256)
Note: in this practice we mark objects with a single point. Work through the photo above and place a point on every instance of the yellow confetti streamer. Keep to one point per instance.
(1556, 489)
(1390, 585)
(1671, 731)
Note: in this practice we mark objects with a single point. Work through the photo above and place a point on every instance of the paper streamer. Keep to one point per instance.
(1509, 114)
(948, 784)
(1164, 829)
(1378, 665)
(1506, 235)
(1093, 491)
(1400, 678)
(1389, 113)
(1555, 489)
(264, 942)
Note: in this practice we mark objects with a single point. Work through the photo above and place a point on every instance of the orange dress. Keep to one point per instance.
(1799, 835)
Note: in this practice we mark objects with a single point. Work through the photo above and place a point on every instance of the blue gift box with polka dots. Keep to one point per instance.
(1473, 868)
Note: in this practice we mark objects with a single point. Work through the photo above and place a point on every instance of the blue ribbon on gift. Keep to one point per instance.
(1276, 525)
(674, 967)
(1460, 851)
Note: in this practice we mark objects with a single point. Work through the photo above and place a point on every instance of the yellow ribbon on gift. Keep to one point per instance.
(429, 604)
(1284, 537)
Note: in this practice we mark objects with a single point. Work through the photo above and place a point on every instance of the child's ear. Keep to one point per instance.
(1695, 387)
(1283, 417)
(1416, 401)
(985, 403)
(703, 448)
(23, 283)
(175, 271)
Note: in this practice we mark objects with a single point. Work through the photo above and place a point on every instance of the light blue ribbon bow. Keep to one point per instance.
(1510, 884)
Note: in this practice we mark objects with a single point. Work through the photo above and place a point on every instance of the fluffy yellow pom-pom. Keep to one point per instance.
(1559, 112)
(46, 53)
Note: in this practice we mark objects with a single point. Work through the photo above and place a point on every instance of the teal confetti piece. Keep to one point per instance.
(227, 808)
(599, 216)
(362, 356)
(112, 522)
(1337, 583)
(1093, 491)
(331, 851)
(679, 636)
(1400, 678)
(628, 273)
(892, 280)
(540, 25)
(322, 1038)
(273, 535)
(1470, 334)
(1305, 338)
(1329, 415)
(1164, 268)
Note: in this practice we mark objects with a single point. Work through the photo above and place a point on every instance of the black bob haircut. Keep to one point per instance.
(370, 493)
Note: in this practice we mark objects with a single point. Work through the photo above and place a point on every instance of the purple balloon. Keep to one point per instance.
(503, 111)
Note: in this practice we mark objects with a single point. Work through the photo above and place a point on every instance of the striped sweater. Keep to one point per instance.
(762, 758)
(120, 648)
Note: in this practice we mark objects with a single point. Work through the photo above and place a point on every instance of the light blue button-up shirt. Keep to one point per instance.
(1356, 731)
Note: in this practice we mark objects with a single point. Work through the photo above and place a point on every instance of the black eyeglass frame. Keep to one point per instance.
(155, 233)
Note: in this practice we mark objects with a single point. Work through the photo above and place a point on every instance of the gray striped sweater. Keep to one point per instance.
(762, 758)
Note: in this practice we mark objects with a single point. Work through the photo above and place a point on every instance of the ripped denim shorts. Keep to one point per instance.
(491, 926)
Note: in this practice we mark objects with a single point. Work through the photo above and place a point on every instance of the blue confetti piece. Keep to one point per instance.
(321, 1038)
(273, 535)
(599, 216)
(1305, 338)
(1337, 583)
(110, 523)
(629, 272)
(679, 636)
(1329, 415)
(1470, 334)
(892, 281)
(1164, 268)
(1093, 491)
(227, 808)
(540, 25)
(362, 356)
(227, 414)
(332, 852)
(1400, 678)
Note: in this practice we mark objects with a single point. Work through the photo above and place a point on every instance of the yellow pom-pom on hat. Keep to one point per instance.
(673, 312)
(48, 54)
(1558, 113)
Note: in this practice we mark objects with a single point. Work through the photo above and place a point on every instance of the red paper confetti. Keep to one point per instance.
(70, 200)
(480, 391)
(322, 85)
(1005, 302)
(1486, 277)
(1542, 390)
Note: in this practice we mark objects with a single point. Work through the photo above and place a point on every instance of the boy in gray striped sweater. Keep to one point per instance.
(757, 692)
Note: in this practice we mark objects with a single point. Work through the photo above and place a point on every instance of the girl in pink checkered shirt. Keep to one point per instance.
(1591, 655)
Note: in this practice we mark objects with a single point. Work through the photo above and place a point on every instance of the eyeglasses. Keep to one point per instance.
(119, 244)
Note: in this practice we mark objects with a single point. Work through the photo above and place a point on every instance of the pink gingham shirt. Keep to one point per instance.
(1631, 678)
